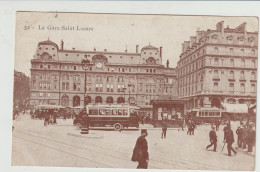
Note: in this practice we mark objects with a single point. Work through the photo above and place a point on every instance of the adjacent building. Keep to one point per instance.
(58, 76)
(218, 68)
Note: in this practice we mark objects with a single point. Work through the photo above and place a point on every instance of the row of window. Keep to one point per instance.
(232, 87)
(229, 40)
(77, 78)
(242, 52)
(190, 90)
(194, 78)
(232, 62)
(193, 67)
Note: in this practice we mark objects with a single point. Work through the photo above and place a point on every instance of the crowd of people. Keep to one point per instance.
(245, 136)
(49, 116)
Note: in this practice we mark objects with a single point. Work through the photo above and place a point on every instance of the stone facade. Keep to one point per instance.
(57, 76)
(218, 66)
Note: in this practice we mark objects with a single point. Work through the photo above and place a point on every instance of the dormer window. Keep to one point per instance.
(52, 48)
(46, 48)
(40, 48)
(230, 39)
(251, 39)
(66, 54)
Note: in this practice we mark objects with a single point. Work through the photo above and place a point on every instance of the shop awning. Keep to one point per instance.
(235, 108)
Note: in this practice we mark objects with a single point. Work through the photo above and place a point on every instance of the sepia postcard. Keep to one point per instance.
(134, 91)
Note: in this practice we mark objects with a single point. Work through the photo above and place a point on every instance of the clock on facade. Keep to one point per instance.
(99, 65)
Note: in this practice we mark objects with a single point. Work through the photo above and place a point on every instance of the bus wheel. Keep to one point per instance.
(118, 126)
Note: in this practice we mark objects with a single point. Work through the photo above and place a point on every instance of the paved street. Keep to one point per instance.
(62, 145)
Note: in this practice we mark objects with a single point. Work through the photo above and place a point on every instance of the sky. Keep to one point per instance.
(113, 32)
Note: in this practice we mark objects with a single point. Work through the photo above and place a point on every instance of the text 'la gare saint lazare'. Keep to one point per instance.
(72, 28)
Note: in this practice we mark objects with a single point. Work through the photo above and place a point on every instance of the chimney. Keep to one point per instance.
(161, 52)
(198, 35)
(73, 48)
(167, 64)
(95, 49)
(192, 40)
(126, 51)
(62, 44)
(220, 27)
(187, 44)
(137, 48)
(105, 50)
(183, 47)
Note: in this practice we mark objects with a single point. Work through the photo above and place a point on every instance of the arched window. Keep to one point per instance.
(120, 100)
(109, 100)
(76, 101)
(215, 102)
(65, 100)
(98, 99)
(87, 100)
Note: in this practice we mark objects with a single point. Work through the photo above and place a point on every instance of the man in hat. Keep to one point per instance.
(140, 153)
(239, 133)
(164, 129)
(213, 139)
(229, 139)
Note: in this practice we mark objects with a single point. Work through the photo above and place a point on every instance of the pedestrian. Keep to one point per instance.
(189, 127)
(212, 139)
(55, 118)
(192, 127)
(140, 152)
(244, 137)
(45, 121)
(250, 138)
(239, 133)
(229, 139)
(164, 129)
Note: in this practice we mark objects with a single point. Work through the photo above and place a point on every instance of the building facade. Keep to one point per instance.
(218, 67)
(58, 76)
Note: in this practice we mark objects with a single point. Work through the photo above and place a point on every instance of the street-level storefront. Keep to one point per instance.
(167, 108)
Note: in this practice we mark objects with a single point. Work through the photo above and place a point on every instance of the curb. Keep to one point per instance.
(86, 136)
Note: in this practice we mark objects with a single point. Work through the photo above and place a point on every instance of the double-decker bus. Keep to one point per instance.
(118, 116)
(207, 115)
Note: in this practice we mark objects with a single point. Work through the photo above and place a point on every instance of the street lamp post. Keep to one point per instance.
(248, 111)
(129, 85)
(85, 128)
(123, 89)
(85, 63)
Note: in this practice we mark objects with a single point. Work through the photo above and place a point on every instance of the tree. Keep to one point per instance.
(21, 90)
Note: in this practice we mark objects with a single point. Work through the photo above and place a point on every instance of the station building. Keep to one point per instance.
(58, 76)
(218, 68)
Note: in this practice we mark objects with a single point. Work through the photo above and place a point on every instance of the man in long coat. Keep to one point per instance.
(140, 153)
(213, 139)
(229, 139)
(164, 129)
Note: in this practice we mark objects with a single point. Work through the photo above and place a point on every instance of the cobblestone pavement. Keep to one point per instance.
(62, 145)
